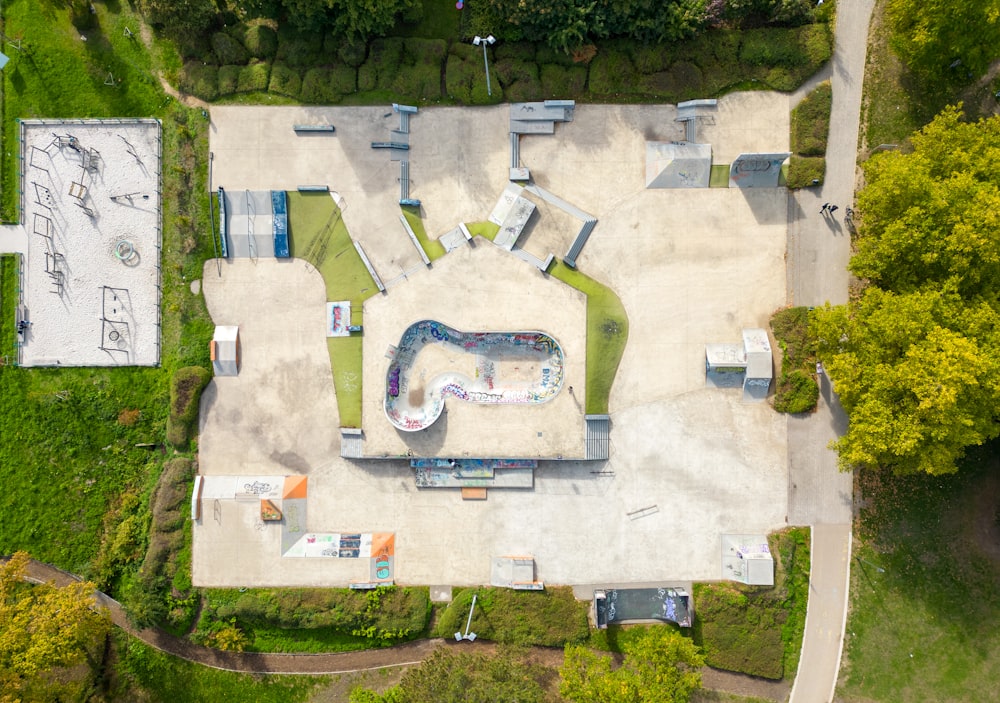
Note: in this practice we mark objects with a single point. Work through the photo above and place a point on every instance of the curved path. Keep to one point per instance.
(819, 249)
(346, 662)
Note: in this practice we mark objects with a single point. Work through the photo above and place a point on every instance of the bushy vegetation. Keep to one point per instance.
(186, 385)
(811, 122)
(335, 619)
(757, 630)
(550, 618)
(805, 171)
(797, 390)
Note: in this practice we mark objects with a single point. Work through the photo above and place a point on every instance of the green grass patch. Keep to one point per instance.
(805, 171)
(720, 176)
(549, 618)
(317, 234)
(925, 586)
(432, 247)
(8, 308)
(797, 390)
(149, 675)
(811, 122)
(315, 619)
(486, 230)
(753, 629)
(607, 333)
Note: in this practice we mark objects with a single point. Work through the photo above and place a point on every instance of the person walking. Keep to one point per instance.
(832, 209)
(826, 206)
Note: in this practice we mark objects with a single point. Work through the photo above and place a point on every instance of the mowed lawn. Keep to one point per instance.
(925, 588)
(317, 233)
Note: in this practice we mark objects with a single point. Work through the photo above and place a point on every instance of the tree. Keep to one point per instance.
(660, 666)
(350, 19)
(180, 16)
(930, 36)
(43, 627)
(918, 374)
(933, 216)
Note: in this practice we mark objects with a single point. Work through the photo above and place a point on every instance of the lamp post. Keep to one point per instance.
(489, 40)
(471, 636)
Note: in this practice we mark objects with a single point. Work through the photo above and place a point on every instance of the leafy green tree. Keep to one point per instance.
(918, 374)
(930, 36)
(180, 16)
(933, 216)
(43, 627)
(351, 19)
(660, 666)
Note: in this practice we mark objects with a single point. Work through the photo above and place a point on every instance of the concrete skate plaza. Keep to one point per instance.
(690, 266)
(499, 368)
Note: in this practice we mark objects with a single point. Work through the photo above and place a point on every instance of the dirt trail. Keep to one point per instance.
(191, 101)
(352, 662)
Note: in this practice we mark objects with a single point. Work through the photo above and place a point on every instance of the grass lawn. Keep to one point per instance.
(925, 627)
(317, 233)
(719, 177)
(147, 675)
(432, 247)
(550, 618)
(486, 230)
(607, 332)
(8, 308)
(72, 473)
(753, 629)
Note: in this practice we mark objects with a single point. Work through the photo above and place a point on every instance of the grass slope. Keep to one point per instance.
(607, 333)
(924, 628)
(317, 233)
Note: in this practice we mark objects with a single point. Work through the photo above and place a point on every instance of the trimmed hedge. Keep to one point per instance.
(199, 79)
(607, 71)
(254, 77)
(261, 41)
(284, 81)
(229, 79)
(299, 50)
(465, 79)
(228, 50)
(185, 393)
(811, 122)
(563, 82)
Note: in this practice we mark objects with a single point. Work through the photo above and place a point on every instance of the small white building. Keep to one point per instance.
(747, 559)
(225, 351)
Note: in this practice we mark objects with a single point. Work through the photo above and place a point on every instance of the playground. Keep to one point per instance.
(90, 209)
(511, 367)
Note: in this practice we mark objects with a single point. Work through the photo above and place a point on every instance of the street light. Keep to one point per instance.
(490, 40)
(471, 636)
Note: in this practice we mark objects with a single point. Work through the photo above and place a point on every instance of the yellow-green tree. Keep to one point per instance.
(660, 666)
(43, 627)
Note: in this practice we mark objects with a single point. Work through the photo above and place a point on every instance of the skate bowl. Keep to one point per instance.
(434, 361)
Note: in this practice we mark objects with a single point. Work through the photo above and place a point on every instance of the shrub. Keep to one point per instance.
(519, 79)
(797, 392)
(562, 82)
(382, 66)
(200, 80)
(464, 79)
(791, 328)
(254, 78)
(284, 81)
(299, 50)
(229, 79)
(185, 391)
(817, 43)
(343, 80)
(545, 54)
(803, 170)
(228, 50)
(316, 88)
(177, 433)
(419, 74)
(261, 41)
(652, 58)
(781, 79)
(611, 72)
(522, 51)
(740, 630)
(550, 618)
(811, 122)
(771, 47)
(352, 52)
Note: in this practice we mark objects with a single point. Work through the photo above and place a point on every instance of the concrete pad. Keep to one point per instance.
(479, 289)
(686, 464)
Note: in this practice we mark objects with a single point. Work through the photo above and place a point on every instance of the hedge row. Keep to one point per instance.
(185, 393)
(426, 70)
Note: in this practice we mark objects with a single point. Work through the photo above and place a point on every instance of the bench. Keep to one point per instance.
(314, 128)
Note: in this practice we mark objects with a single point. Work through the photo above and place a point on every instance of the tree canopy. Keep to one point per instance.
(43, 627)
(916, 358)
(660, 666)
(930, 36)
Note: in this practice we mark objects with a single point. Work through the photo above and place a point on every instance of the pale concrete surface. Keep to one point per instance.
(13, 240)
(480, 288)
(824, 634)
(691, 267)
(818, 253)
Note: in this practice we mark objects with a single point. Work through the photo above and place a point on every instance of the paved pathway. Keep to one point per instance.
(819, 250)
